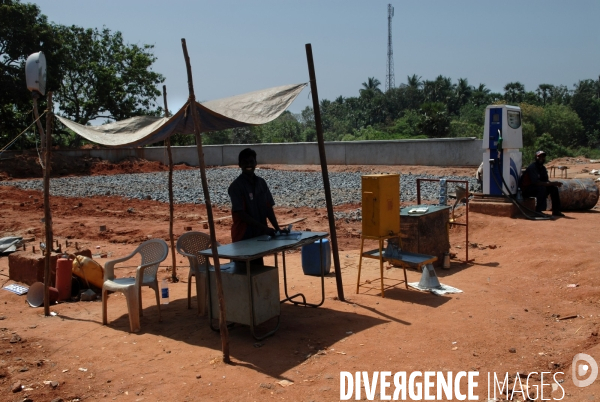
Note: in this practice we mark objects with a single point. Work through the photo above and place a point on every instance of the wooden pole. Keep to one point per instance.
(36, 95)
(47, 211)
(171, 213)
(211, 222)
(323, 158)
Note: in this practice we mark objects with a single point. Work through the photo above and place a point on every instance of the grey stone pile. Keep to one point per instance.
(289, 188)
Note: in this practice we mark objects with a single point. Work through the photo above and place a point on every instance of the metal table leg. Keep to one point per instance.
(304, 302)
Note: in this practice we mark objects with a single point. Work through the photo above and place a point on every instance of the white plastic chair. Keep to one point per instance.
(152, 252)
(190, 244)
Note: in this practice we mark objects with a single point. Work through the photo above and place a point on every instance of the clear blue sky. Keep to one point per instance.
(242, 46)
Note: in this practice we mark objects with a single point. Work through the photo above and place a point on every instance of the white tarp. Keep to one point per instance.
(249, 109)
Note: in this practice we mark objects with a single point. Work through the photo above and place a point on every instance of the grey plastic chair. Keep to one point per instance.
(190, 244)
(152, 252)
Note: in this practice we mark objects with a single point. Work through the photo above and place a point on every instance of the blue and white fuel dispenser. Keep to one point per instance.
(502, 158)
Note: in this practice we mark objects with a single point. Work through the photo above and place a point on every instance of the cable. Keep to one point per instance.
(22, 132)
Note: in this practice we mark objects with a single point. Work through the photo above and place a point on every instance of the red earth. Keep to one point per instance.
(530, 303)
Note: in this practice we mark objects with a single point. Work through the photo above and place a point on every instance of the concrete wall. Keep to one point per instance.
(430, 152)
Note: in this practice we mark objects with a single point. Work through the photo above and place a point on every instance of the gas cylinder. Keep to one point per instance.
(577, 194)
(63, 277)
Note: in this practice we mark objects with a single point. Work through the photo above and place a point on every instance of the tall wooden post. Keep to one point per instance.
(323, 158)
(36, 114)
(211, 222)
(171, 213)
(47, 211)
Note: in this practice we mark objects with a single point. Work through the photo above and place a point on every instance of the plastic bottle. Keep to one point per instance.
(164, 291)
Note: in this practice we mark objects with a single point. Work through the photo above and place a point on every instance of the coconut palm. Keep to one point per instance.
(414, 81)
(371, 87)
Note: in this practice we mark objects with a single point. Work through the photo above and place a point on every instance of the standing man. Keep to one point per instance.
(251, 201)
(535, 183)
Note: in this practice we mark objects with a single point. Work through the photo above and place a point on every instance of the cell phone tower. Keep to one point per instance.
(390, 81)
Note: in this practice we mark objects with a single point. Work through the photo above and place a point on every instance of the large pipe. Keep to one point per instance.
(577, 194)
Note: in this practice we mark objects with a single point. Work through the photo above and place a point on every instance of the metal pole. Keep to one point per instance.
(47, 211)
(171, 236)
(211, 222)
(323, 158)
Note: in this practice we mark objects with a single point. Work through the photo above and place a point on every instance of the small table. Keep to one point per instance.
(255, 248)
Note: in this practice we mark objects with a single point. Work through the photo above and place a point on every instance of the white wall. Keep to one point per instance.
(429, 152)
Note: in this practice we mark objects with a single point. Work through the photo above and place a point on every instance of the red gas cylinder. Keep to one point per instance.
(63, 278)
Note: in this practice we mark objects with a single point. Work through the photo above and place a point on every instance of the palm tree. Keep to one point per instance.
(514, 92)
(481, 95)
(414, 81)
(439, 90)
(463, 91)
(543, 91)
(371, 87)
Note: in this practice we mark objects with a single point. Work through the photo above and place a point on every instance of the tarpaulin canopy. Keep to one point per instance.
(249, 109)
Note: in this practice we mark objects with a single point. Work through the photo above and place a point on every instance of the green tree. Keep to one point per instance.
(532, 117)
(544, 92)
(550, 146)
(564, 125)
(414, 81)
(371, 87)
(209, 138)
(586, 104)
(514, 93)
(436, 121)
(23, 31)
(408, 126)
(462, 94)
(439, 90)
(284, 128)
(104, 77)
(560, 95)
(245, 135)
(480, 95)
(469, 123)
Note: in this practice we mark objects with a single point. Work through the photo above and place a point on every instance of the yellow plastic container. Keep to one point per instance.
(89, 270)
(380, 205)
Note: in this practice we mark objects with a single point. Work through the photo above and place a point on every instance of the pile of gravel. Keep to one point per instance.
(289, 188)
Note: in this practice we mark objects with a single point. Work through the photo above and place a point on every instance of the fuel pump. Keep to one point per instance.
(502, 158)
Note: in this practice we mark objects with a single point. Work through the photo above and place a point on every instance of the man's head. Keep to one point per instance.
(247, 161)
(540, 156)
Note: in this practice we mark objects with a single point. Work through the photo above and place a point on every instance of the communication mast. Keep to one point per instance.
(390, 82)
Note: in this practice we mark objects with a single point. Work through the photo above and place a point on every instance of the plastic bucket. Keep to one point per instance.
(310, 258)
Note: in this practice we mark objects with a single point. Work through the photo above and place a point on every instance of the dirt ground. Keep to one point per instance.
(530, 304)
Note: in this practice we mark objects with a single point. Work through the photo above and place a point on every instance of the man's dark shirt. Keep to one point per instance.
(255, 199)
(534, 174)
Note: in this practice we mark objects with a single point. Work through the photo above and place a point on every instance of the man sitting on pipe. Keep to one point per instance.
(535, 183)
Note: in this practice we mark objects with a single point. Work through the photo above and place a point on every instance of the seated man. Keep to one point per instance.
(251, 202)
(535, 183)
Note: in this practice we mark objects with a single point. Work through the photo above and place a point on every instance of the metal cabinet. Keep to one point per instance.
(264, 289)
